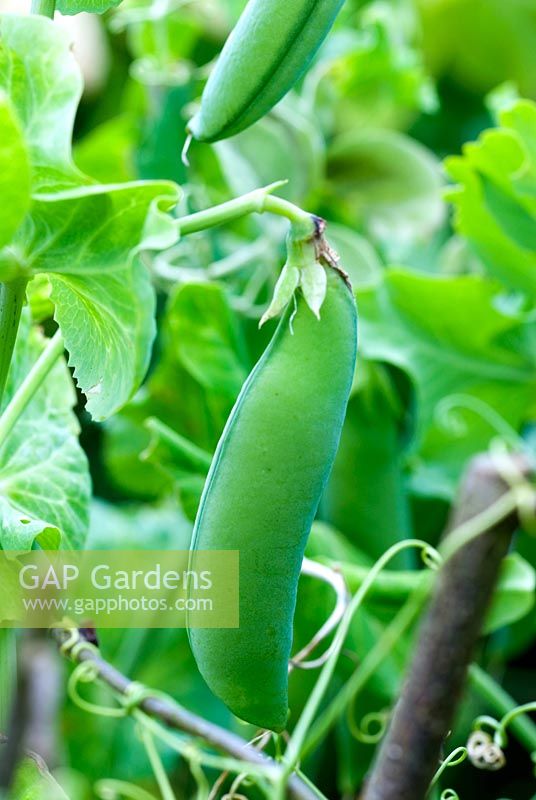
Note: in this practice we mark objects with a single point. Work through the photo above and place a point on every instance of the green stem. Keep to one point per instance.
(12, 296)
(258, 201)
(157, 766)
(457, 756)
(393, 586)
(296, 215)
(45, 8)
(300, 741)
(523, 728)
(30, 385)
(182, 450)
(210, 760)
(375, 657)
(8, 675)
(113, 788)
(475, 526)
(314, 789)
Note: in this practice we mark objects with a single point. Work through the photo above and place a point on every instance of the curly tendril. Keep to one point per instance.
(488, 752)
(431, 558)
(449, 417)
(136, 693)
(372, 726)
(517, 482)
(87, 672)
(453, 759)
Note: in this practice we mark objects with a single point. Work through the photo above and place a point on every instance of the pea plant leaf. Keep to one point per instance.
(39, 73)
(495, 197)
(419, 323)
(14, 172)
(44, 479)
(84, 235)
(203, 335)
(89, 6)
(86, 240)
(108, 325)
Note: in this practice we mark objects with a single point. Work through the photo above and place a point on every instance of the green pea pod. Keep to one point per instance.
(262, 493)
(270, 48)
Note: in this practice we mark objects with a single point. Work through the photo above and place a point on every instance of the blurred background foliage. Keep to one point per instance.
(442, 255)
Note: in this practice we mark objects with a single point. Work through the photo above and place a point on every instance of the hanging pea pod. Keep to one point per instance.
(270, 48)
(262, 493)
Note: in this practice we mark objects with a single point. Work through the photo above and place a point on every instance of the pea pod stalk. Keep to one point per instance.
(262, 492)
(270, 48)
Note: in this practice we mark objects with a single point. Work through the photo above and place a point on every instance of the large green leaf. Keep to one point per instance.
(44, 479)
(104, 300)
(14, 172)
(495, 199)
(203, 334)
(86, 241)
(108, 325)
(39, 73)
(84, 235)
(451, 337)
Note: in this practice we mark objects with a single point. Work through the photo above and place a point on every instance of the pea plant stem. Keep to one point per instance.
(258, 201)
(296, 744)
(45, 8)
(502, 703)
(390, 587)
(12, 296)
(8, 675)
(156, 764)
(374, 658)
(164, 710)
(409, 754)
(30, 385)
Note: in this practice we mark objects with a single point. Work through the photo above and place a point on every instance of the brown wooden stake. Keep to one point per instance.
(409, 755)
